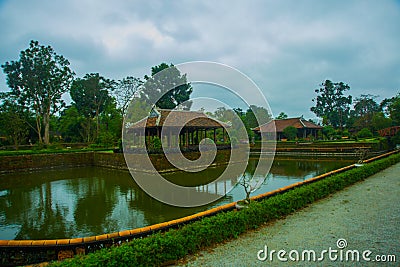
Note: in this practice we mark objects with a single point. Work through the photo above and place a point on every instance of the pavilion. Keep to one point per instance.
(180, 127)
(304, 128)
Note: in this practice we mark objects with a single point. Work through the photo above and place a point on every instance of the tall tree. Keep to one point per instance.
(38, 80)
(331, 105)
(161, 88)
(261, 113)
(111, 123)
(282, 116)
(71, 125)
(125, 90)
(91, 95)
(379, 121)
(365, 107)
(391, 106)
(14, 120)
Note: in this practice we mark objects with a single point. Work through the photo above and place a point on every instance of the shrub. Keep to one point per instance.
(155, 144)
(290, 132)
(106, 139)
(329, 132)
(364, 133)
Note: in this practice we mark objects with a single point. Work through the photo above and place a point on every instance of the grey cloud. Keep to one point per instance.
(288, 47)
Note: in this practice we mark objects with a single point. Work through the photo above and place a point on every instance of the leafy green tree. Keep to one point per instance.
(161, 87)
(111, 124)
(391, 106)
(125, 90)
(38, 80)
(254, 117)
(395, 140)
(225, 115)
(91, 96)
(329, 132)
(364, 133)
(331, 105)
(253, 113)
(282, 116)
(379, 121)
(235, 119)
(71, 125)
(13, 119)
(290, 132)
(365, 107)
(250, 119)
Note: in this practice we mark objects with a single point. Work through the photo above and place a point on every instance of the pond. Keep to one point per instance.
(86, 201)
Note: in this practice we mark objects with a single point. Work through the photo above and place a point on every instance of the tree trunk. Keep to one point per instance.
(88, 130)
(39, 129)
(16, 143)
(46, 122)
(97, 125)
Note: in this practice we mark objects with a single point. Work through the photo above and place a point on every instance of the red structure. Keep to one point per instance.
(304, 128)
(391, 131)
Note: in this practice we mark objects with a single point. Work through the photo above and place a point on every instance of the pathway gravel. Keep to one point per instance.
(366, 215)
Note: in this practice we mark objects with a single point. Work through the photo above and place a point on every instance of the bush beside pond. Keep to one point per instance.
(162, 248)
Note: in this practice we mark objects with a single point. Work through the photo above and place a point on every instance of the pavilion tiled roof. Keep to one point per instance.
(178, 118)
(298, 123)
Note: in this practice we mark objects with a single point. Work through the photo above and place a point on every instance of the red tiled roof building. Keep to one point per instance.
(189, 126)
(304, 128)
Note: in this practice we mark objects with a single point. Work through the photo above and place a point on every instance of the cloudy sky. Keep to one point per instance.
(286, 47)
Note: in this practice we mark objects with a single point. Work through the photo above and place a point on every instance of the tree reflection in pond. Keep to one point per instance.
(76, 202)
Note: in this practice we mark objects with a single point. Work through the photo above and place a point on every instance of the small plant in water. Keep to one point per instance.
(250, 184)
(362, 154)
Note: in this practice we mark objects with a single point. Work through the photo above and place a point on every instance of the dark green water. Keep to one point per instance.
(77, 202)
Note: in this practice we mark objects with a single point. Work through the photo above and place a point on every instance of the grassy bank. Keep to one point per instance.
(161, 248)
(372, 144)
(49, 151)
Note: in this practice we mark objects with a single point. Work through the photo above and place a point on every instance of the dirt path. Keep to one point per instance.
(366, 215)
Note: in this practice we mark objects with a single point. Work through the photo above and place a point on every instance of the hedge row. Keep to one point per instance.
(161, 248)
(50, 151)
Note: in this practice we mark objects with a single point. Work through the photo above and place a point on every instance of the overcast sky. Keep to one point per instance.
(287, 48)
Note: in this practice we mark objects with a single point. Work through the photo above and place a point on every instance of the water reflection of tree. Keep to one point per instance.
(93, 206)
(293, 168)
(40, 217)
(156, 212)
(300, 167)
(104, 200)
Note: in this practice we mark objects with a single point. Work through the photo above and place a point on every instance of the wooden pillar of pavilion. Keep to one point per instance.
(215, 135)
(169, 137)
(147, 138)
(187, 138)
